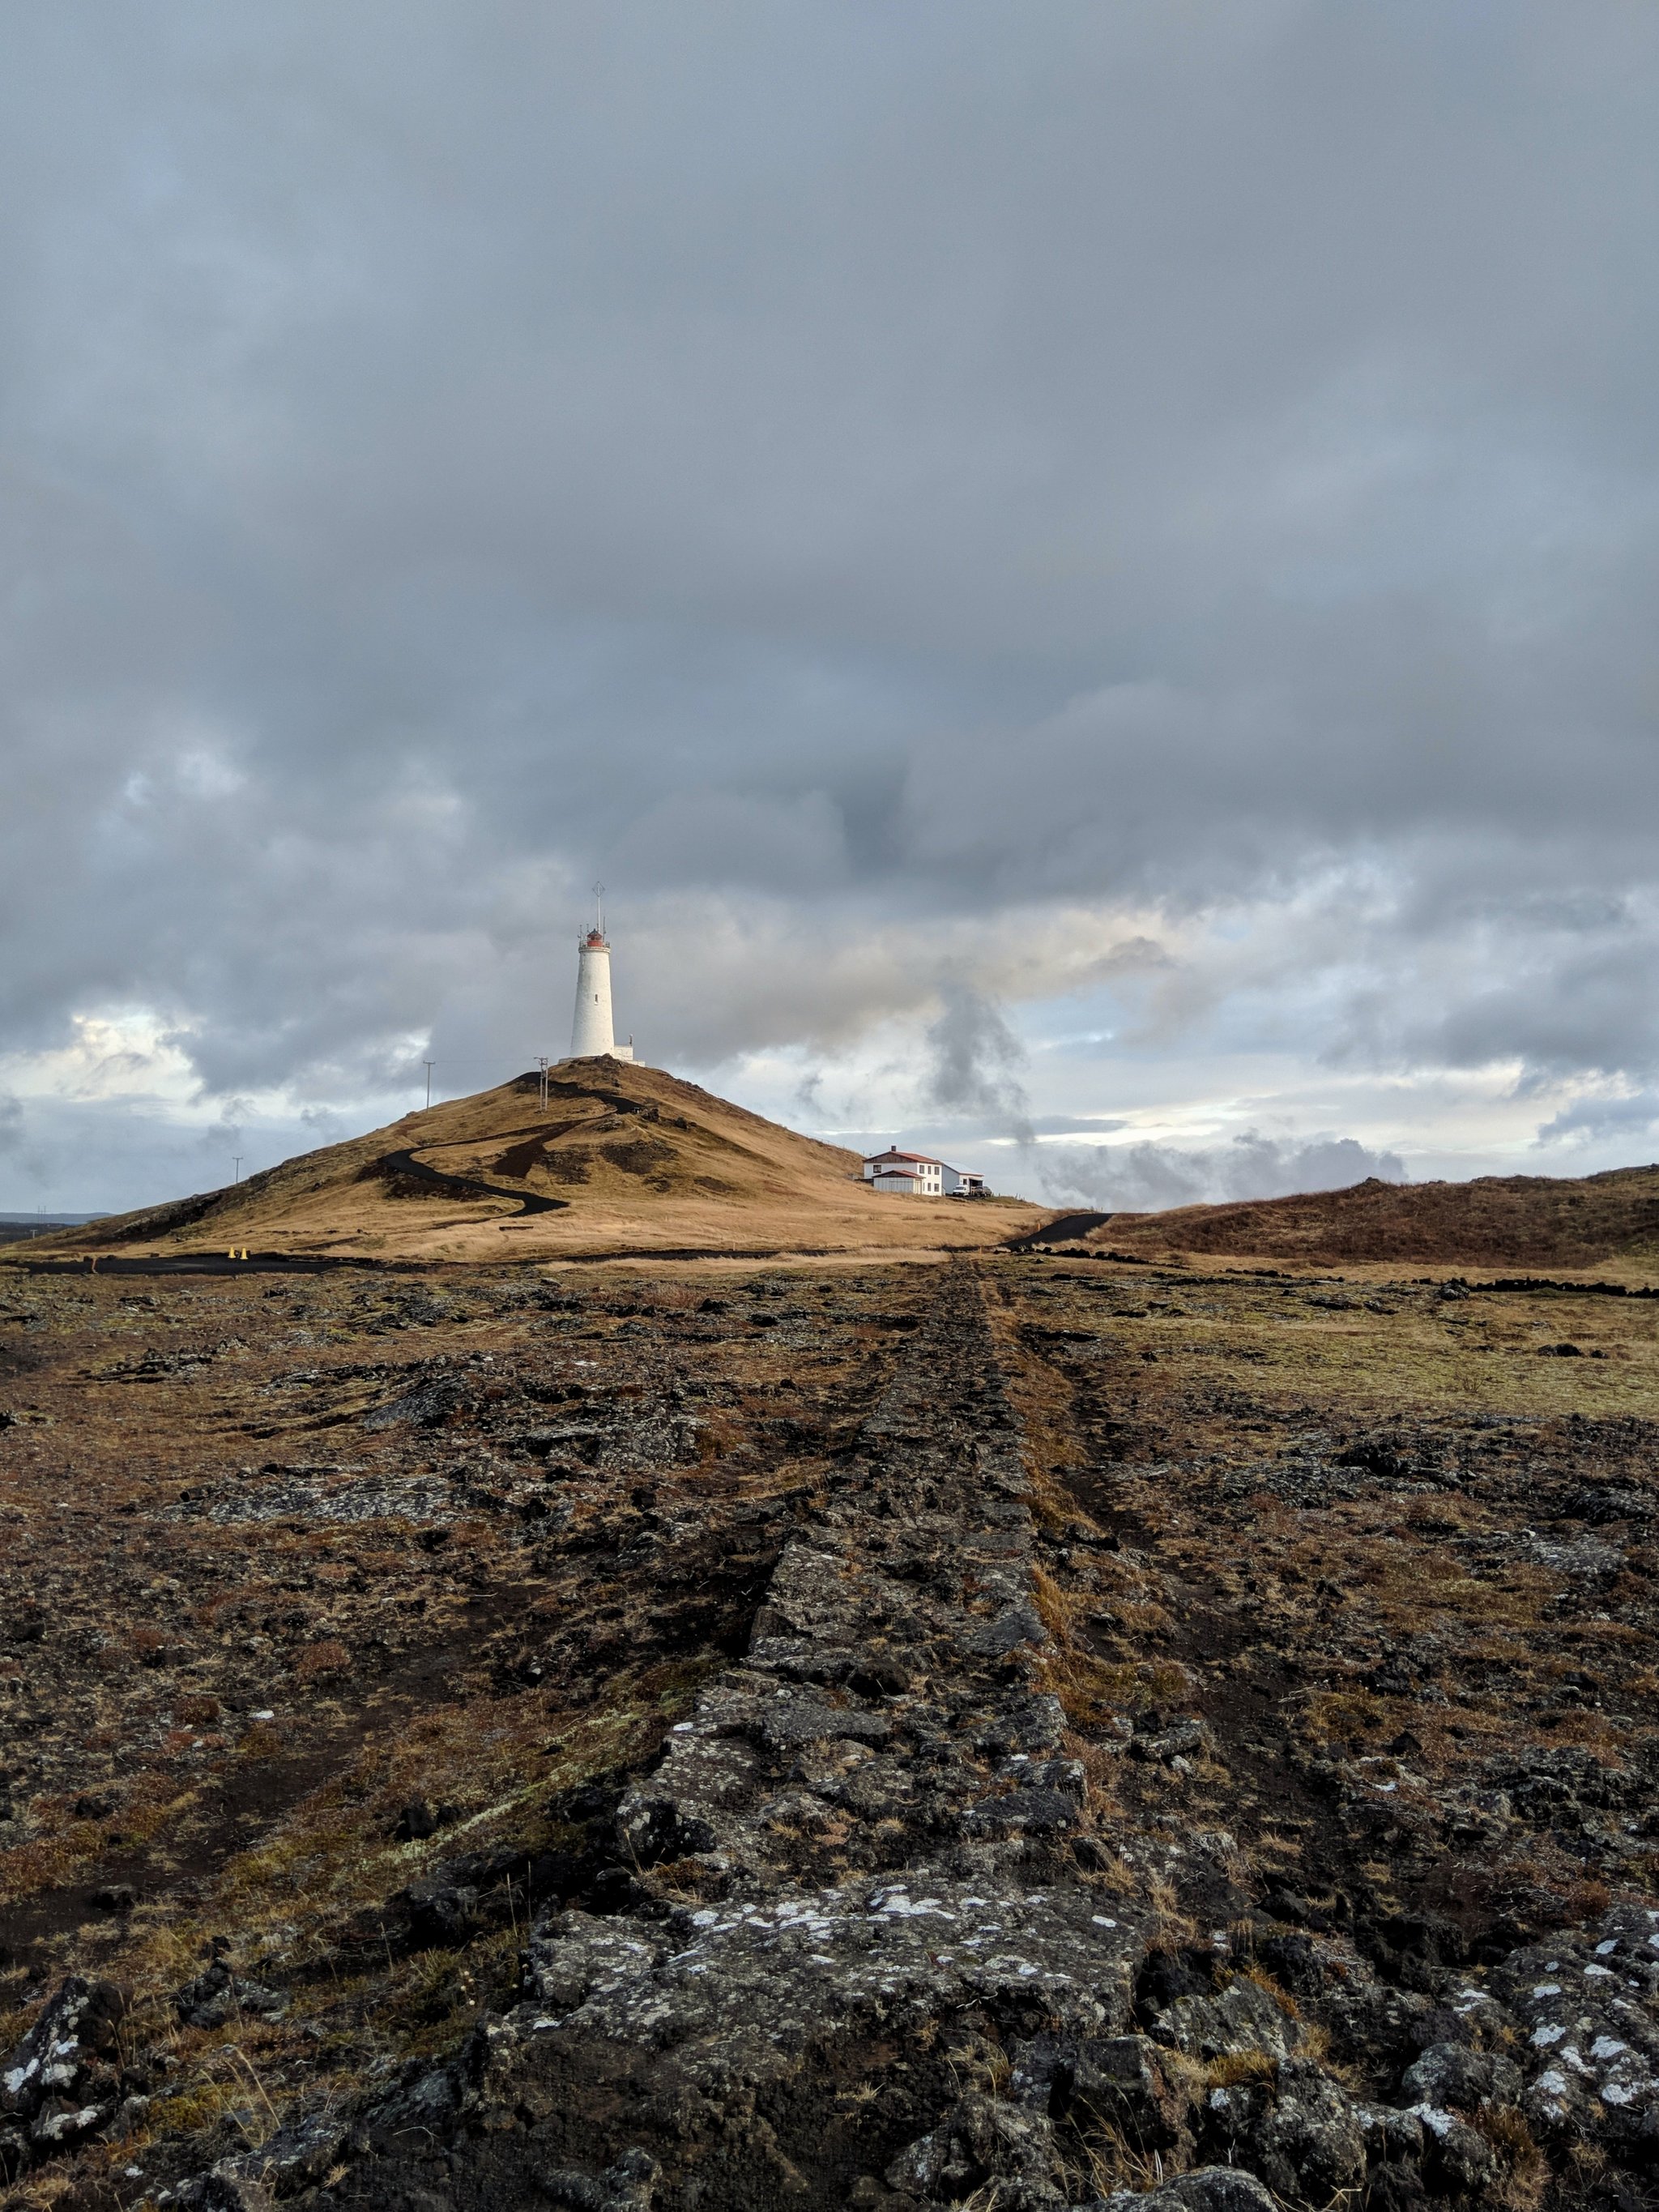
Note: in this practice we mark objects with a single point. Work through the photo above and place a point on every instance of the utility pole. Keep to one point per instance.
(428, 1066)
(542, 1065)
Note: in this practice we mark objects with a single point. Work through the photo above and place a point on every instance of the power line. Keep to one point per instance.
(544, 1066)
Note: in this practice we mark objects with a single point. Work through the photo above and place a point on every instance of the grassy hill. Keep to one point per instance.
(624, 1158)
(1495, 1221)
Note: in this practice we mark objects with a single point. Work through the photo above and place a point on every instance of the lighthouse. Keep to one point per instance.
(590, 1033)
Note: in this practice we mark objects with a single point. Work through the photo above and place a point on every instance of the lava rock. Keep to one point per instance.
(62, 2080)
(220, 1995)
(979, 2140)
(1207, 2189)
(1245, 2017)
(1186, 1739)
(629, 2185)
(224, 2190)
(1312, 2144)
(1458, 2157)
(416, 1821)
(1458, 2079)
(441, 1911)
(1128, 2083)
(297, 2157)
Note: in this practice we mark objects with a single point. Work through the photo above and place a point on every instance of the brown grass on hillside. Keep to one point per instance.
(1495, 1221)
(623, 1159)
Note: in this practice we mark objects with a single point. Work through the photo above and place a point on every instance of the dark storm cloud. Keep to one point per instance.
(828, 470)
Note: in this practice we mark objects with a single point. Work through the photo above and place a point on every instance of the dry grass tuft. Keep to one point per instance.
(1526, 2171)
(320, 1661)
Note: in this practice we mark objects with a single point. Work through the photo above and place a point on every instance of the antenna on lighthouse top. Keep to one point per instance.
(598, 898)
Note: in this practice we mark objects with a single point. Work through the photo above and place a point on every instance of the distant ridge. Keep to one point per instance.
(49, 1220)
(623, 1160)
(1494, 1221)
(27, 1228)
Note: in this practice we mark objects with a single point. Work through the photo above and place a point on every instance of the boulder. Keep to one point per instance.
(1458, 2079)
(1206, 2189)
(1311, 2145)
(220, 1995)
(1244, 2017)
(979, 2140)
(1458, 2158)
(62, 2080)
(1129, 2084)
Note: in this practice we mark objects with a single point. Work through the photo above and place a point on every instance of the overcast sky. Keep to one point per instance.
(1084, 573)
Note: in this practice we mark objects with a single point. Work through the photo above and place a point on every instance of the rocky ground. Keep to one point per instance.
(1037, 1733)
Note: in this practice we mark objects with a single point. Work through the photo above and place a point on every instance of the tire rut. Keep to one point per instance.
(856, 1859)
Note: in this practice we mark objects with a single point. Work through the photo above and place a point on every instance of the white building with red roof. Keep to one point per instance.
(894, 1174)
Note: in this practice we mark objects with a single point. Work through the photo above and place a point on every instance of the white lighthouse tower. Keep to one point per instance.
(590, 1033)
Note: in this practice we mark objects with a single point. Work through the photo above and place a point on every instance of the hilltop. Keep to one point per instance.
(1495, 1221)
(623, 1159)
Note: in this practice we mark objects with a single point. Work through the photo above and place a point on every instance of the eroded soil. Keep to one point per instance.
(1017, 1734)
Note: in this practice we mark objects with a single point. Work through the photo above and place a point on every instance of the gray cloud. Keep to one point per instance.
(1145, 1178)
(973, 1056)
(859, 480)
(1073, 1124)
(109, 1155)
(1590, 1118)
